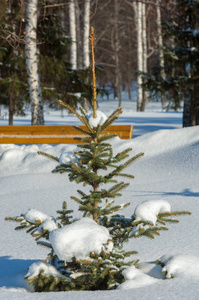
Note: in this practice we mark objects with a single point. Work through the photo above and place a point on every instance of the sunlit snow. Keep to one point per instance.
(168, 171)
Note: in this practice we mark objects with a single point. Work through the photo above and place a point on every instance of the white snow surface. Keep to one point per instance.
(99, 120)
(79, 239)
(168, 171)
(148, 210)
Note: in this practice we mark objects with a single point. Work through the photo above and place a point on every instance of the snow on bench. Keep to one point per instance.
(53, 134)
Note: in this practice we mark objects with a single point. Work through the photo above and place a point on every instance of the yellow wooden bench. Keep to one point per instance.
(53, 134)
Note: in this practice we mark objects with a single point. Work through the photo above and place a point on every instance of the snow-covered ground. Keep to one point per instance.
(168, 172)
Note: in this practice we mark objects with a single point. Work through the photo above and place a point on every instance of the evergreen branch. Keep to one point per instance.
(44, 244)
(87, 124)
(106, 136)
(48, 155)
(125, 175)
(122, 155)
(81, 193)
(21, 227)
(122, 167)
(163, 221)
(85, 140)
(116, 188)
(130, 161)
(98, 130)
(174, 213)
(82, 130)
(16, 219)
(71, 109)
(114, 116)
(76, 199)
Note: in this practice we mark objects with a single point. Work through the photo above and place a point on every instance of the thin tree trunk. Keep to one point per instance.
(86, 33)
(78, 36)
(116, 54)
(73, 49)
(32, 63)
(186, 113)
(160, 44)
(139, 55)
(11, 109)
(129, 67)
(144, 44)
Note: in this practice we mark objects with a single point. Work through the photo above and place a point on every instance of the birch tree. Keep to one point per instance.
(73, 49)
(160, 44)
(139, 55)
(32, 63)
(144, 55)
(86, 33)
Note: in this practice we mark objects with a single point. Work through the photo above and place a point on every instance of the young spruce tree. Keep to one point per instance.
(99, 271)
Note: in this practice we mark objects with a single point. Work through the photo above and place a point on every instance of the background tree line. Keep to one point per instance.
(153, 43)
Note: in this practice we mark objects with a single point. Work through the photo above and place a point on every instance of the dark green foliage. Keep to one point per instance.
(64, 215)
(181, 53)
(13, 82)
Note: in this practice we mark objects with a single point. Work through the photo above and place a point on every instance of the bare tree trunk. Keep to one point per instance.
(11, 109)
(32, 63)
(144, 44)
(86, 33)
(186, 113)
(73, 49)
(139, 55)
(160, 44)
(116, 53)
(78, 36)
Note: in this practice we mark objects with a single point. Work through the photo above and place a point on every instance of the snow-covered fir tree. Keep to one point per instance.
(88, 254)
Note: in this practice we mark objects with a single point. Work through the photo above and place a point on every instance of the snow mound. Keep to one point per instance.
(101, 118)
(134, 278)
(148, 210)
(79, 239)
(162, 141)
(32, 215)
(184, 265)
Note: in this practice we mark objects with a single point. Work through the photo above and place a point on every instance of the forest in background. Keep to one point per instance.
(153, 43)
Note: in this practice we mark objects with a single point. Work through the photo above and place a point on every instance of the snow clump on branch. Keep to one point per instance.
(79, 239)
(148, 210)
(101, 118)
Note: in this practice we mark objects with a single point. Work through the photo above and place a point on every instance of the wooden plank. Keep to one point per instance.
(57, 128)
(53, 134)
(31, 140)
